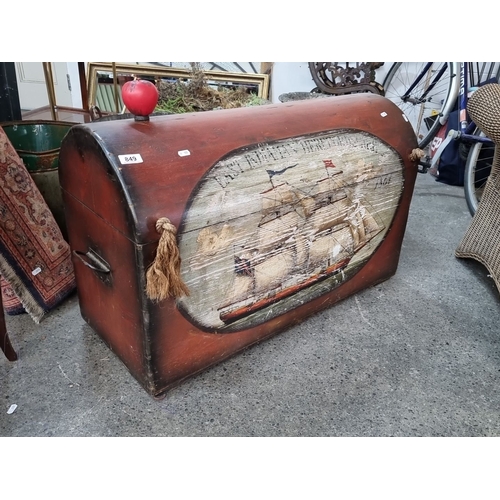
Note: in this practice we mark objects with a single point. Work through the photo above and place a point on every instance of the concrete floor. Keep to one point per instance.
(418, 355)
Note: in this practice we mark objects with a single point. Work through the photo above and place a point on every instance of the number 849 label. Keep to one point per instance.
(128, 159)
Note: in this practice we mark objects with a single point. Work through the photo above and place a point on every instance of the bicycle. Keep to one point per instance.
(427, 93)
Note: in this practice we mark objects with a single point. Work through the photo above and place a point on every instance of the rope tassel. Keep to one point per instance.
(416, 154)
(163, 277)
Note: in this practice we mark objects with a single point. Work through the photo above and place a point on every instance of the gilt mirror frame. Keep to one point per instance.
(261, 81)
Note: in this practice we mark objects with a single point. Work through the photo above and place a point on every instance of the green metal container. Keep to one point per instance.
(38, 144)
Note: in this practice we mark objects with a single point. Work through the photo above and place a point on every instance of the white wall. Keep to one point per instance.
(290, 77)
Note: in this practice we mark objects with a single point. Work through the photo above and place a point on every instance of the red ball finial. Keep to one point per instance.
(140, 97)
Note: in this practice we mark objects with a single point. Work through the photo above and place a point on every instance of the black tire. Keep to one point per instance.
(477, 171)
(423, 114)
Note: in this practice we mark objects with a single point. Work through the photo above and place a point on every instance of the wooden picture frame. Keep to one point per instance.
(260, 81)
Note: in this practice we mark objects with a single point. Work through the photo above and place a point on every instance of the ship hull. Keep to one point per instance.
(241, 312)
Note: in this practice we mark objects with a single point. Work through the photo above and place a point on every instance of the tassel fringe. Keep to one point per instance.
(416, 154)
(163, 277)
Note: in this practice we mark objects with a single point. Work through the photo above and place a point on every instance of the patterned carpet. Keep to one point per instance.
(35, 260)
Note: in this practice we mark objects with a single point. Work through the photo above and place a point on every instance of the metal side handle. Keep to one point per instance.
(93, 260)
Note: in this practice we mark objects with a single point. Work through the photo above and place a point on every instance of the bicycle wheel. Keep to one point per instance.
(477, 171)
(424, 92)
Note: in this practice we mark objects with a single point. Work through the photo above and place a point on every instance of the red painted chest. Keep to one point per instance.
(279, 210)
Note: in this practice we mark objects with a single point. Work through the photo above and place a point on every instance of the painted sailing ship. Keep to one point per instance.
(302, 239)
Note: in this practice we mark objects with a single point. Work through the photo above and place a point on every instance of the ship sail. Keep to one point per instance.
(300, 240)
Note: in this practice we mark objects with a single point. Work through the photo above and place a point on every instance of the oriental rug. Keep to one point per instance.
(35, 260)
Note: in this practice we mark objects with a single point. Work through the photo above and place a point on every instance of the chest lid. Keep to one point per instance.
(132, 173)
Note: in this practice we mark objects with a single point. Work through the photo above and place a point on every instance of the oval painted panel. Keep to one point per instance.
(273, 226)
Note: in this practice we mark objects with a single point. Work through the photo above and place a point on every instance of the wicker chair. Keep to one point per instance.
(482, 239)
